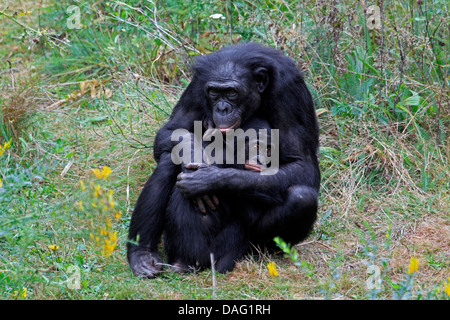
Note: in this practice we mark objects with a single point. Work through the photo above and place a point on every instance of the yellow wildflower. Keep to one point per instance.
(53, 247)
(118, 215)
(110, 245)
(106, 172)
(113, 236)
(97, 173)
(272, 269)
(1, 183)
(7, 144)
(82, 185)
(413, 265)
(447, 287)
(23, 294)
(97, 190)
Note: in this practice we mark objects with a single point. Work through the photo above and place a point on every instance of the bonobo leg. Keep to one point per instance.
(147, 221)
(185, 234)
(190, 236)
(292, 221)
(231, 245)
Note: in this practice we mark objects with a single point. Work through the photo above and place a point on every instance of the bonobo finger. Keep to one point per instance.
(253, 165)
(145, 264)
(200, 205)
(195, 166)
(208, 201)
(192, 166)
(215, 199)
(146, 270)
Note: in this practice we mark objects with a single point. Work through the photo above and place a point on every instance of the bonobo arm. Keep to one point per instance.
(183, 116)
(163, 143)
(269, 188)
(147, 222)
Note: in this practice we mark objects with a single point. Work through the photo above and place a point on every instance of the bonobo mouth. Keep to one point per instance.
(224, 129)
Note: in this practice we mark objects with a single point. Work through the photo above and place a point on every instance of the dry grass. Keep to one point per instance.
(379, 177)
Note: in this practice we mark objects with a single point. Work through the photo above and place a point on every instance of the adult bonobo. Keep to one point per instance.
(203, 209)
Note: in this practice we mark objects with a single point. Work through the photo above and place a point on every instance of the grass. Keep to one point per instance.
(83, 96)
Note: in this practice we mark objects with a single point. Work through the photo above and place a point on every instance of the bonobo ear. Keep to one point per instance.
(262, 79)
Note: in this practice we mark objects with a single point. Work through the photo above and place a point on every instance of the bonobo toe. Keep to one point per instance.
(180, 267)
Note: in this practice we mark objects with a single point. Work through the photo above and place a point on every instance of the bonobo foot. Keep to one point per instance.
(225, 264)
(144, 263)
(180, 267)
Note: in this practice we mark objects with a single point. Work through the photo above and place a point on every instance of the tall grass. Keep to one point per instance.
(76, 97)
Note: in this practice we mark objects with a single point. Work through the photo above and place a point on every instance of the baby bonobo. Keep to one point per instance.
(222, 231)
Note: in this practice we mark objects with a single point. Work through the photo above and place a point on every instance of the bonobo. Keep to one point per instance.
(220, 229)
(208, 208)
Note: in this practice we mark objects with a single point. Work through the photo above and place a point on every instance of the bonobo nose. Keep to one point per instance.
(223, 108)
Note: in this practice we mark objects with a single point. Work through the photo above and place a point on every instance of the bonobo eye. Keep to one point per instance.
(232, 94)
(213, 93)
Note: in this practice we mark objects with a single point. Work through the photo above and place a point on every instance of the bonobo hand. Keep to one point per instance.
(190, 186)
(144, 263)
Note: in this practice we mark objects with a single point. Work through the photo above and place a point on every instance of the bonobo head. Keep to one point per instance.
(234, 93)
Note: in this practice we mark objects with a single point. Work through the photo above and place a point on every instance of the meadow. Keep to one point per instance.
(85, 85)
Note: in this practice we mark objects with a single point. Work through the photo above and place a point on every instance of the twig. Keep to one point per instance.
(213, 270)
(314, 242)
(8, 16)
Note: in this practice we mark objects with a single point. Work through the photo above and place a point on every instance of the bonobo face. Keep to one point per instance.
(234, 94)
(226, 97)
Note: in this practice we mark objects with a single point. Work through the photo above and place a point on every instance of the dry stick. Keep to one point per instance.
(230, 17)
(213, 270)
(78, 95)
(438, 125)
(12, 74)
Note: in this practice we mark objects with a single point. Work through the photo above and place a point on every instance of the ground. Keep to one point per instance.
(93, 97)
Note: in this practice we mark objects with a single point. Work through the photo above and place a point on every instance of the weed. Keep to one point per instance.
(89, 87)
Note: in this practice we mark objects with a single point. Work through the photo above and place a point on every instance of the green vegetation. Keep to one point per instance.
(86, 84)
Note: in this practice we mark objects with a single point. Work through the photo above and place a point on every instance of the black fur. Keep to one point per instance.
(252, 207)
